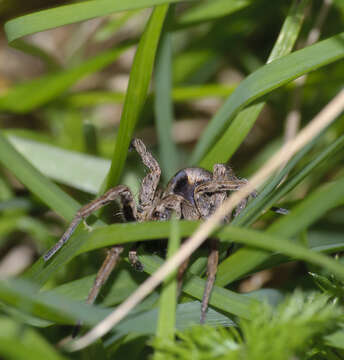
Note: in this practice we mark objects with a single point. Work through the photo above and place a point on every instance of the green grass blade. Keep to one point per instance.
(47, 191)
(32, 344)
(120, 234)
(224, 149)
(131, 232)
(50, 61)
(69, 14)
(168, 297)
(179, 94)
(32, 94)
(264, 80)
(278, 244)
(294, 180)
(270, 194)
(243, 122)
(136, 95)
(37, 183)
(74, 167)
(210, 10)
(163, 104)
(223, 299)
(50, 306)
(303, 215)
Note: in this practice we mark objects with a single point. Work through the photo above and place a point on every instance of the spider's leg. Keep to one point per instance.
(121, 191)
(180, 275)
(221, 171)
(213, 260)
(111, 260)
(209, 195)
(150, 182)
(134, 259)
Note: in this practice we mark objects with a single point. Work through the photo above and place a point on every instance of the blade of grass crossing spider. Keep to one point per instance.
(304, 214)
(101, 237)
(163, 102)
(168, 298)
(125, 233)
(136, 95)
(32, 94)
(69, 14)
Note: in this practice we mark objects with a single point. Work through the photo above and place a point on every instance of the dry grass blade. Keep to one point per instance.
(322, 120)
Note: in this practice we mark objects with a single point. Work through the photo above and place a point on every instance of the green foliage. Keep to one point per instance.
(292, 329)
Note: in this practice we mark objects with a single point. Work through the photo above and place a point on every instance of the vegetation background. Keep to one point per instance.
(201, 82)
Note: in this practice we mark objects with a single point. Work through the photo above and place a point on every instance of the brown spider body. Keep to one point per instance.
(192, 194)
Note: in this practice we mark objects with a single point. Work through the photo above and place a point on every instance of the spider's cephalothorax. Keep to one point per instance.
(192, 194)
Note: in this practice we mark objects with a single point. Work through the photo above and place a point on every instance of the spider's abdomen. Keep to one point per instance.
(185, 182)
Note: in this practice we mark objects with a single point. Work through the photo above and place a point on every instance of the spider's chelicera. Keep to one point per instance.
(192, 194)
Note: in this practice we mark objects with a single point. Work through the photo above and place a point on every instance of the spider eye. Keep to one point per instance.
(160, 215)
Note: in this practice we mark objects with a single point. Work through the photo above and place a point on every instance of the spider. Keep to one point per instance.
(192, 194)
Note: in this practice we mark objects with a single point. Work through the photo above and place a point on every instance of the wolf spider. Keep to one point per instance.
(192, 194)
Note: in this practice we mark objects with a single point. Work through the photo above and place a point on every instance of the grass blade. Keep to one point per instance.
(261, 82)
(69, 14)
(163, 103)
(32, 94)
(168, 297)
(179, 94)
(136, 95)
(303, 215)
(31, 346)
(74, 167)
(244, 121)
(210, 10)
(37, 183)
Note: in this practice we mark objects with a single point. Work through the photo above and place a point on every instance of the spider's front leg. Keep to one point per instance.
(150, 182)
(122, 192)
(221, 171)
(225, 172)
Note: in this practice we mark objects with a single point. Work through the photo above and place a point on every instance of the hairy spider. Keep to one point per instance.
(193, 193)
